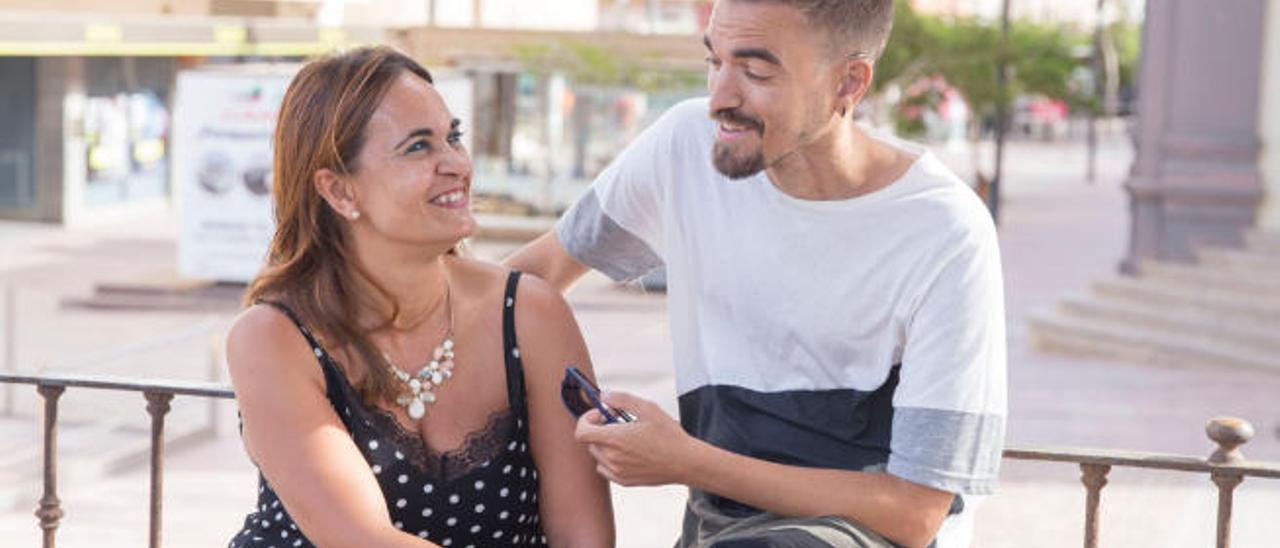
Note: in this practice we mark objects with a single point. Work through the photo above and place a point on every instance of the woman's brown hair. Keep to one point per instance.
(321, 125)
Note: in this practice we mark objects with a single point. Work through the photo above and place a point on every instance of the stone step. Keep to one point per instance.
(1253, 282)
(1238, 259)
(1263, 241)
(1216, 304)
(142, 301)
(1176, 322)
(1128, 342)
(169, 282)
(88, 452)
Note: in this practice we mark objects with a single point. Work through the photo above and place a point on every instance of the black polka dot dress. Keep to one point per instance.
(483, 494)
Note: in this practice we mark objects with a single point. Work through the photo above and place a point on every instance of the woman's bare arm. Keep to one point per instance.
(574, 500)
(294, 436)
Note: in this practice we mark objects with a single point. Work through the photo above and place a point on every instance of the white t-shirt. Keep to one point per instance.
(860, 334)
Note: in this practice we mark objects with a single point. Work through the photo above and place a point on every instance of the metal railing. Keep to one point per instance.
(1226, 467)
(157, 395)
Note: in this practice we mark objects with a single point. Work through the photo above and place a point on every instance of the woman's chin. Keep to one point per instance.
(457, 231)
(466, 226)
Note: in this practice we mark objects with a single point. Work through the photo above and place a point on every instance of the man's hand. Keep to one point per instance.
(653, 450)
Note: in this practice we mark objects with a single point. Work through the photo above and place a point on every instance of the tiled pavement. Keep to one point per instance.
(1057, 233)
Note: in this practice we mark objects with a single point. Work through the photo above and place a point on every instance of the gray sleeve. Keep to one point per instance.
(953, 451)
(951, 401)
(593, 238)
(619, 226)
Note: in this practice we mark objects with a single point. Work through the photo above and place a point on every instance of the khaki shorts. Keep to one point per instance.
(706, 527)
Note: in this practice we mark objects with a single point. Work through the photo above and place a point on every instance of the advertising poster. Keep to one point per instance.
(223, 122)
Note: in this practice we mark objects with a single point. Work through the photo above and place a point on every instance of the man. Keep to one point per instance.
(836, 302)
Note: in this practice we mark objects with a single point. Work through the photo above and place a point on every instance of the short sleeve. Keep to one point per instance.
(949, 406)
(617, 225)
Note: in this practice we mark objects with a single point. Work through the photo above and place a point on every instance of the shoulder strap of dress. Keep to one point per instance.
(293, 317)
(331, 382)
(510, 350)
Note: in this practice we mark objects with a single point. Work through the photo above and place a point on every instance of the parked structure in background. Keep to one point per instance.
(90, 85)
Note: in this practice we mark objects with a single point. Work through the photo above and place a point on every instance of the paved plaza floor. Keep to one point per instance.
(1057, 233)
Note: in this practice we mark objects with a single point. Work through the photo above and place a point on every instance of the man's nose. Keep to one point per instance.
(724, 91)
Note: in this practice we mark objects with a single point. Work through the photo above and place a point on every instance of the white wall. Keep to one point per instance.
(454, 13)
(569, 15)
(374, 13)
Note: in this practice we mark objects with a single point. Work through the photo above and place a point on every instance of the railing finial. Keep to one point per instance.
(1229, 433)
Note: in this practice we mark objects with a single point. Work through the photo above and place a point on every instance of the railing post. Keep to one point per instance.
(1094, 477)
(157, 407)
(215, 375)
(10, 345)
(1229, 433)
(1226, 483)
(50, 510)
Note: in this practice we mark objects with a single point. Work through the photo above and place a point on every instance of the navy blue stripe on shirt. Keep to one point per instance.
(839, 428)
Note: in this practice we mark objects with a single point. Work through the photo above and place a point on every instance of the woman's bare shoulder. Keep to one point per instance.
(263, 343)
(541, 308)
(475, 268)
(482, 280)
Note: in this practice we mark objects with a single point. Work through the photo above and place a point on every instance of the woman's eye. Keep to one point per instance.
(416, 146)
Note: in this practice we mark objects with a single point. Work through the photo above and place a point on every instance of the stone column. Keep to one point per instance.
(58, 80)
(1195, 176)
(1269, 216)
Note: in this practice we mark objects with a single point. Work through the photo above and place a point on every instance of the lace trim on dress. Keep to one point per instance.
(477, 449)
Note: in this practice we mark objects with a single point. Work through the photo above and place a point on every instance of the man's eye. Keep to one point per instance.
(455, 137)
(713, 62)
(753, 75)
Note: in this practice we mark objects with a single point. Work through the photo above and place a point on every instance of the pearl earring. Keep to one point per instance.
(355, 215)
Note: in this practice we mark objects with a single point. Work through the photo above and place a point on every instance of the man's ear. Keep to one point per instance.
(338, 192)
(855, 81)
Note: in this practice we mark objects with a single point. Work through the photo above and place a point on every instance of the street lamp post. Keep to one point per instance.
(1098, 93)
(1002, 113)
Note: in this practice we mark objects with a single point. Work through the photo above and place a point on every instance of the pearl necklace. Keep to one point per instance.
(423, 385)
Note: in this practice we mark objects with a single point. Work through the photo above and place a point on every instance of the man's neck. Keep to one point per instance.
(844, 164)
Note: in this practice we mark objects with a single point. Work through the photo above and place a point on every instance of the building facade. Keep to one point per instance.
(89, 85)
(1206, 128)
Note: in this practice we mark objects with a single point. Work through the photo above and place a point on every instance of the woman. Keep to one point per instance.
(392, 392)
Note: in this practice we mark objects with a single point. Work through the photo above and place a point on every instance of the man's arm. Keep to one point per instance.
(546, 258)
(617, 226)
(906, 513)
(655, 450)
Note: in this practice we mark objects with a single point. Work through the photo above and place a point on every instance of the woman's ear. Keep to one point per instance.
(338, 192)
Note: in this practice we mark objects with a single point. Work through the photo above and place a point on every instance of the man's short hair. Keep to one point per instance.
(853, 27)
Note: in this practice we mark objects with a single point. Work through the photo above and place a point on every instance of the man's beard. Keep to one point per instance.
(734, 167)
(722, 155)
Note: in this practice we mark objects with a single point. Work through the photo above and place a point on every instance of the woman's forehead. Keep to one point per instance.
(411, 102)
